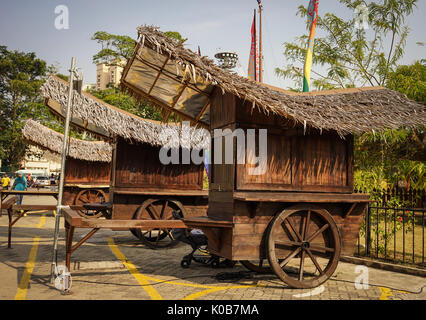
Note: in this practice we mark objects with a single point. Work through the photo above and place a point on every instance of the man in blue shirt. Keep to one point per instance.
(20, 184)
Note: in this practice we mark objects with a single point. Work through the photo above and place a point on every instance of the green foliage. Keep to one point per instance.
(357, 57)
(115, 48)
(351, 56)
(389, 159)
(114, 97)
(395, 156)
(21, 76)
(175, 35)
(410, 80)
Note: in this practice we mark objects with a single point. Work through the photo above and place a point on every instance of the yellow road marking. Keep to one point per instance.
(143, 281)
(209, 288)
(21, 293)
(29, 267)
(196, 295)
(386, 292)
(42, 221)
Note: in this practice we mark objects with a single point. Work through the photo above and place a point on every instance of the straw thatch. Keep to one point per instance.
(346, 111)
(48, 139)
(118, 122)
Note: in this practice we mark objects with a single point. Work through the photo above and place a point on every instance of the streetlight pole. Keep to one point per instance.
(62, 174)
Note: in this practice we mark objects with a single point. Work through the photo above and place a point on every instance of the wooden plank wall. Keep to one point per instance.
(87, 172)
(138, 166)
(298, 159)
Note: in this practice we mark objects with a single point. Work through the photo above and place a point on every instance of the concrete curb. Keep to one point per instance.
(385, 266)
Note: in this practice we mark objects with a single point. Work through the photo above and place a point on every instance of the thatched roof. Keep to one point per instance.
(48, 139)
(99, 117)
(180, 81)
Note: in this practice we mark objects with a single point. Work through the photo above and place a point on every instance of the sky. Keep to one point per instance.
(213, 25)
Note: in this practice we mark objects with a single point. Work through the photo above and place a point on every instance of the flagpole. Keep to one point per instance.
(62, 174)
(260, 42)
(312, 16)
(255, 48)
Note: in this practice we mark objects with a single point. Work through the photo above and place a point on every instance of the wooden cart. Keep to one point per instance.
(141, 187)
(88, 165)
(299, 213)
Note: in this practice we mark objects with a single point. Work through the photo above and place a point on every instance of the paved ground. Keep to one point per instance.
(113, 265)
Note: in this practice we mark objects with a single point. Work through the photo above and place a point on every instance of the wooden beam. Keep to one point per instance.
(129, 224)
(185, 85)
(301, 196)
(140, 59)
(158, 75)
(203, 110)
(162, 104)
(350, 210)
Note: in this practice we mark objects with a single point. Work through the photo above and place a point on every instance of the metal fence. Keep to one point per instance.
(413, 198)
(393, 234)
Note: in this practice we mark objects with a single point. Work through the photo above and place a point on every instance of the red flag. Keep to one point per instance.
(252, 67)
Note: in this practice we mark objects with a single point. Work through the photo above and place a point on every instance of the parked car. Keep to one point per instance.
(41, 181)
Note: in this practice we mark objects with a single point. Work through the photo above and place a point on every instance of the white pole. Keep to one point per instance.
(62, 174)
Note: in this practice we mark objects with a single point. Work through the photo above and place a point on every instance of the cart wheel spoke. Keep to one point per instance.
(294, 229)
(314, 260)
(291, 256)
(320, 249)
(157, 216)
(302, 262)
(305, 230)
(153, 217)
(318, 232)
(163, 208)
(289, 243)
(158, 209)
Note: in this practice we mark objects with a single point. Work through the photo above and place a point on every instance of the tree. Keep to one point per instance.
(350, 55)
(175, 35)
(21, 76)
(396, 155)
(113, 97)
(116, 50)
(410, 80)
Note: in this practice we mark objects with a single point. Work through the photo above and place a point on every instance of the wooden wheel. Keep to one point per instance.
(89, 196)
(303, 245)
(260, 266)
(157, 209)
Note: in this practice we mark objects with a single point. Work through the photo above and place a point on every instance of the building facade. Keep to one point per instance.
(107, 74)
(41, 162)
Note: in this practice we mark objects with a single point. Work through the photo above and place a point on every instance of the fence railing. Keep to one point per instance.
(393, 234)
(413, 198)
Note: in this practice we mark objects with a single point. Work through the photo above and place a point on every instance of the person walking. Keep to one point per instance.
(30, 180)
(20, 184)
(5, 182)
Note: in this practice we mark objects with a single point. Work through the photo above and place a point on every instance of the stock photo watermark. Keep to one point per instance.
(361, 281)
(62, 17)
(63, 280)
(251, 148)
